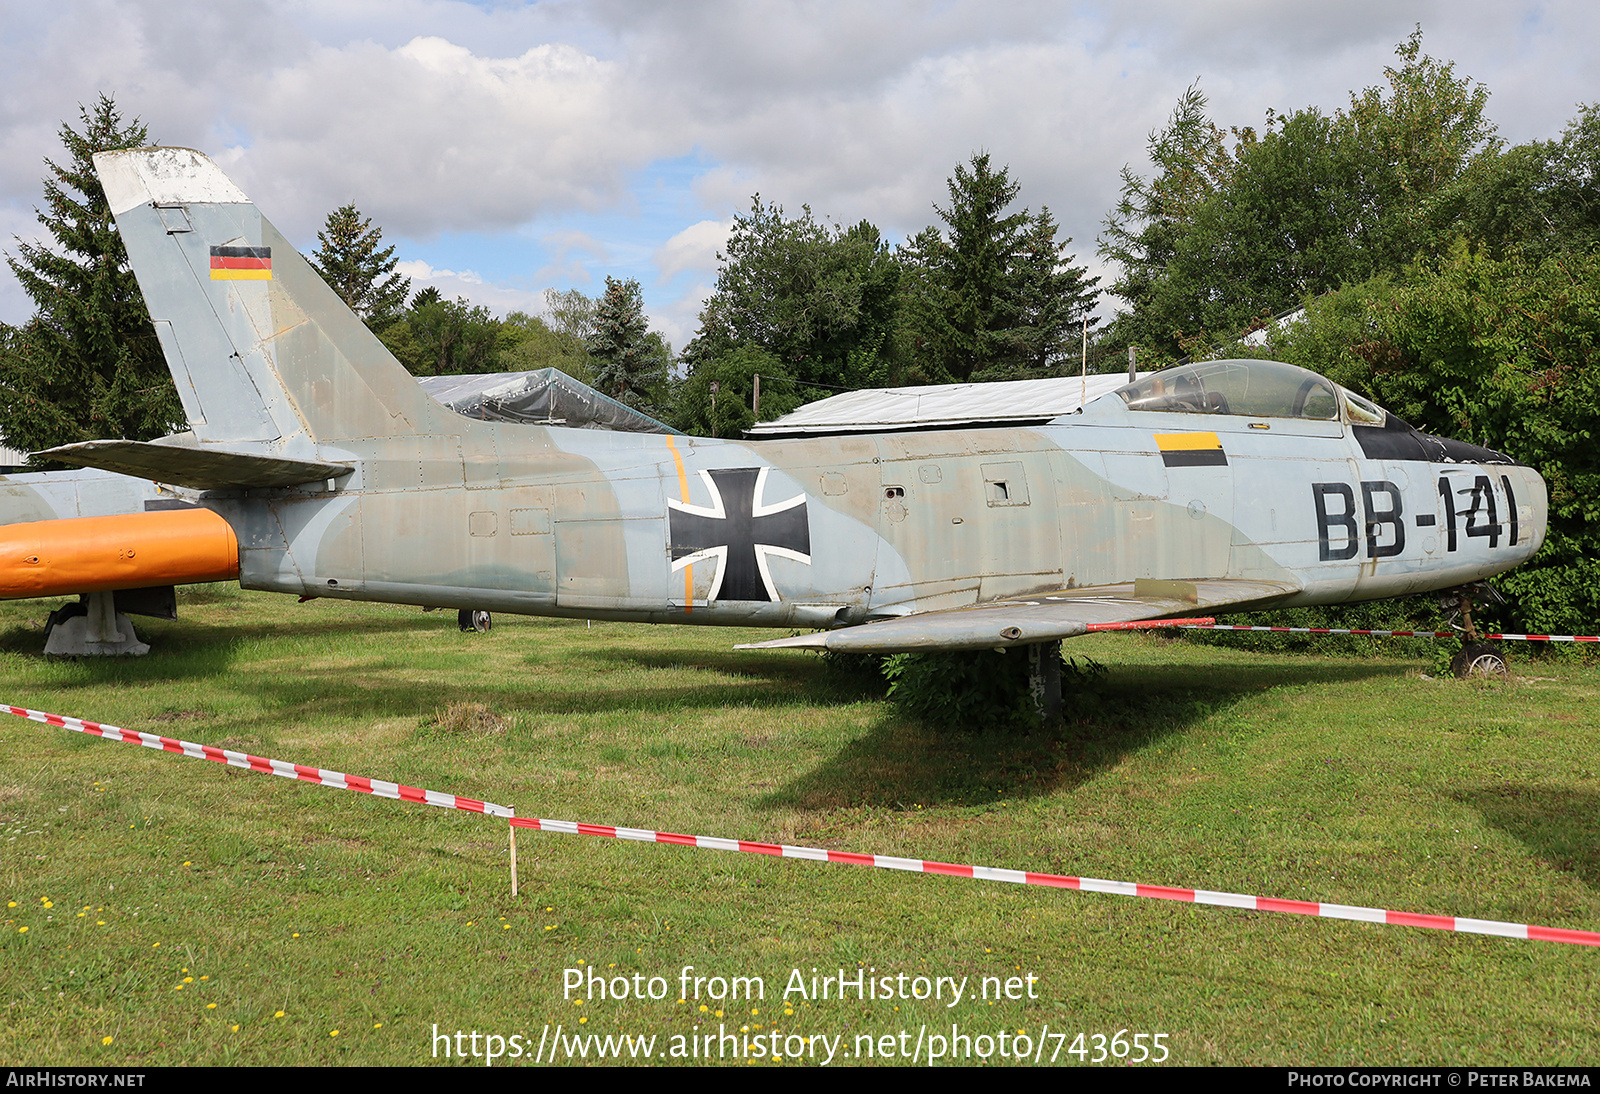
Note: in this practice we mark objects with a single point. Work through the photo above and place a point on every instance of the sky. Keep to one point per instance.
(505, 148)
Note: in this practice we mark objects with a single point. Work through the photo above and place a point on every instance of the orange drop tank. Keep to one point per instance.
(129, 551)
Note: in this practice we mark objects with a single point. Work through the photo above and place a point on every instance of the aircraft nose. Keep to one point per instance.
(1533, 510)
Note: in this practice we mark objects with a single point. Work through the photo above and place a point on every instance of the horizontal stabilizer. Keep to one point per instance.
(207, 468)
(1022, 621)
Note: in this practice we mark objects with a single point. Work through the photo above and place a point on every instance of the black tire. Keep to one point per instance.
(470, 619)
(1478, 659)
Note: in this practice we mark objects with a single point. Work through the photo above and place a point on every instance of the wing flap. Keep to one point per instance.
(204, 468)
(1021, 621)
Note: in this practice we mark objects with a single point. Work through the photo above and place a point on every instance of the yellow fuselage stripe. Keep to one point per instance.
(1186, 442)
(683, 491)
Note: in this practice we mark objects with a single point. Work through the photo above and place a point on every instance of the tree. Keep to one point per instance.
(1540, 198)
(1053, 298)
(453, 335)
(1218, 240)
(629, 361)
(350, 262)
(819, 298)
(994, 295)
(1500, 353)
(1143, 230)
(559, 338)
(87, 365)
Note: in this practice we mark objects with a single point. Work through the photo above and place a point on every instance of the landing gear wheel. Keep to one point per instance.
(471, 620)
(1478, 659)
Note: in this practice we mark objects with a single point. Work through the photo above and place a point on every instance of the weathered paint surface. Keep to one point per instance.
(1119, 511)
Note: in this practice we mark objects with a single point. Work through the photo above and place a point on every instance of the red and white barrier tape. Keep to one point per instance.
(1148, 624)
(378, 787)
(1086, 884)
(321, 776)
(1188, 624)
(1213, 625)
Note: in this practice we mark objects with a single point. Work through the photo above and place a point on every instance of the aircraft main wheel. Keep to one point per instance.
(472, 620)
(1478, 659)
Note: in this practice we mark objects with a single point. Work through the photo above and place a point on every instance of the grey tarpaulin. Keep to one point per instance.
(545, 396)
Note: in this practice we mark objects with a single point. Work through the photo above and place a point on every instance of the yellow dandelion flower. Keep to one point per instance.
(106, 1040)
(178, 988)
(205, 978)
(295, 935)
(234, 1028)
(188, 864)
(582, 1021)
(188, 979)
(377, 1025)
(333, 1033)
(22, 930)
(99, 923)
(278, 1015)
(505, 926)
(704, 1008)
(211, 1006)
(153, 945)
(551, 927)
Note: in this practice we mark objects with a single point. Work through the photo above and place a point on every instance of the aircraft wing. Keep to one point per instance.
(1020, 621)
(202, 468)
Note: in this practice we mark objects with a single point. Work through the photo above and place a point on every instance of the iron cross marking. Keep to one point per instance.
(739, 532)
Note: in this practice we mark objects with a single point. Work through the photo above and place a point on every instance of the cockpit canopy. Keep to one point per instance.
(1251, 389)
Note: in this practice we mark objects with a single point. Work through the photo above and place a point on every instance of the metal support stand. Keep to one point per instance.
(92, 628)
(1044, 682)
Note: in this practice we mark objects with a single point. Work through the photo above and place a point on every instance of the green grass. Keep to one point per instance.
(1348, 780)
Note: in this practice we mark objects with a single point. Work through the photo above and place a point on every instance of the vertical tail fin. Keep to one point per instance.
(260, 347)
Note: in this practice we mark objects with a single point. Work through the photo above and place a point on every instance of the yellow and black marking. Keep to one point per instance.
(241, 263)
(1191, 450)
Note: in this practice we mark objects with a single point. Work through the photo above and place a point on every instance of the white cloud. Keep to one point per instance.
(694, 248)
(439, 116)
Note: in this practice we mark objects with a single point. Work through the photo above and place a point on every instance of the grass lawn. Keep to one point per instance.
(162, 910)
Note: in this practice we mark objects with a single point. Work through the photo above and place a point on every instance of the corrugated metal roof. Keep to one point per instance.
(950, 406)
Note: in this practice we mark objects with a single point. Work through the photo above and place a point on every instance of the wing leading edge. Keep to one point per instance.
(1021, 621)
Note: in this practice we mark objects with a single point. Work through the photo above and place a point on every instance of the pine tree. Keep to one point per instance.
(87, 365)
(994, 296)
(628, 360)
(1053, 297)
(349, 260)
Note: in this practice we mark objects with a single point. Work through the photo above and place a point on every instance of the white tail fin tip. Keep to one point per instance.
(164, 176)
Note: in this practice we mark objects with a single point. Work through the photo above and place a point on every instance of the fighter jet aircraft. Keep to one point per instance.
(1225, 484)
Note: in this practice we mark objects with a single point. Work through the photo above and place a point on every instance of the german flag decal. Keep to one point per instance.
(241, 263)
(1191, 450)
